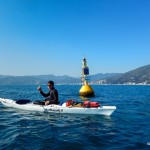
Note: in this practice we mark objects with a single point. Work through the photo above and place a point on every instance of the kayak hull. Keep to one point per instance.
(103, 110)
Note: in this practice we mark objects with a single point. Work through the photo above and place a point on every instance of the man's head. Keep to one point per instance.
(50, 84)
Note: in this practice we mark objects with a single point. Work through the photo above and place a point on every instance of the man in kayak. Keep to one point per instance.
(52, 94)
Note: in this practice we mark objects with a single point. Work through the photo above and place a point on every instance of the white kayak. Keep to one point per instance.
(102, 110)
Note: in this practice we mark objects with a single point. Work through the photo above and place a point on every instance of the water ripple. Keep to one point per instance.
(127, 128)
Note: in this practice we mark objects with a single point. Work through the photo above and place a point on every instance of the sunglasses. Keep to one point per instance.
(49, 85)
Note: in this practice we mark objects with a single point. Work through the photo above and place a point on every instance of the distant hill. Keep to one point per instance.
(39, 79)
(136, 76)
(103, 76)
(42, 79)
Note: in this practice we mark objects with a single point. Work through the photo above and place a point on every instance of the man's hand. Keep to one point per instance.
(47, 103)
(39, 88)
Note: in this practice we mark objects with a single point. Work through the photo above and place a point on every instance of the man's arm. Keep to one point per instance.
(44, 94)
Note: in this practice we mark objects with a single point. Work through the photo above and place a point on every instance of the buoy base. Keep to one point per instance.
(87, 91)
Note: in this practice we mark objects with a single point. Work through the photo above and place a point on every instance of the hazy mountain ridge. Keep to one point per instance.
(136, 76)
(37, 79)
(42, 79)
(103, 76)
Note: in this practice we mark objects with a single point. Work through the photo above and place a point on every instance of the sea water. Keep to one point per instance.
(127, 128)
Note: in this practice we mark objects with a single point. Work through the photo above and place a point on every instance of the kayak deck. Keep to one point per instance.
(102, 110)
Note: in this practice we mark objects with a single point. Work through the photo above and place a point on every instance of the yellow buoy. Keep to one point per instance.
(86, 90)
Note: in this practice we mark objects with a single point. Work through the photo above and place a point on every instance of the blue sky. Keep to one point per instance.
(52, 36)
